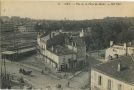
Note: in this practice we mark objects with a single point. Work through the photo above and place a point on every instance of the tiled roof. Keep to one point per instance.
(78, 41)
(110, 68)
(61, 50)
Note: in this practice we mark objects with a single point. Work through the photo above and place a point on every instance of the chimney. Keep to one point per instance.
(72, 44)
(60, 30)
(56, 50)
(45, 47)
(125, 45)
(49, 36)
(75, 44)
(52, 34)
(52, 48)
(119, 67)
(82, 33)
(111, 43)
(130, 43)
(82, 30)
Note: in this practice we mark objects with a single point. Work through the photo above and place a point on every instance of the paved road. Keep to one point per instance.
(46, 80)
(80, 81)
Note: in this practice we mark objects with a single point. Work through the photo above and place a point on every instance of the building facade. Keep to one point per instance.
(77, 44)
(59, 53)
(113, 75)
(119, 50)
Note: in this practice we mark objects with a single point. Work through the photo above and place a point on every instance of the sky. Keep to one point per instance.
(60, 10)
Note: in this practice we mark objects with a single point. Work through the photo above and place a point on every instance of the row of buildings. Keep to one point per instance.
(117, 72)
(63, 50)
(67, 50)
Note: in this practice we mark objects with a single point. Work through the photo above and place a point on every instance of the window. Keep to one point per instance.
(110, 57)
(64, 60)
(116, 55)
(69, 60)
(109, 85)
(119, 87)
(99, 80)
(95, 77)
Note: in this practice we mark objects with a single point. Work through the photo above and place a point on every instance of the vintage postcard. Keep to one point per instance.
(66, 45)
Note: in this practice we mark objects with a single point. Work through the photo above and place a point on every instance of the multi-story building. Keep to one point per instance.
(113, 75)
(26, 28)
(76, 43)
(119, 50)
(62, 50)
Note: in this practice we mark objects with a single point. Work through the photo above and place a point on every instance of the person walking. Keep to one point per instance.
(68, 84)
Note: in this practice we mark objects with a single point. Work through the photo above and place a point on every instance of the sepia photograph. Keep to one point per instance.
(66, 45)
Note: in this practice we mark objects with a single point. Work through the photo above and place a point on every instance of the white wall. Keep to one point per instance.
(59, 59)
(82, 33)
(81, 52)
(51, 55)
(41, 44)
(120, 50)
(72, 48)
(130, 50)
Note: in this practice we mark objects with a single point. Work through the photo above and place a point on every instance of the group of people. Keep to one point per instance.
(60, 86)
(23, 71)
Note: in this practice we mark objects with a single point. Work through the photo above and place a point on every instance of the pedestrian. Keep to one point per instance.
(68, 84)
(23, 71)
(59, 86)
(20, 71)
(42, 71)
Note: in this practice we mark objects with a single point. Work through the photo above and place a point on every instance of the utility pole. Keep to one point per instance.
(15, 42)
(4, 82)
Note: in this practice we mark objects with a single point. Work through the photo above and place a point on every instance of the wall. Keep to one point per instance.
(80, 50)
(130, 50)
(41, 44)
(81, 55)
(120, 50)
(65, 58)
(72, 48)
(59, 39)
(53, 56)
(94, 82)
